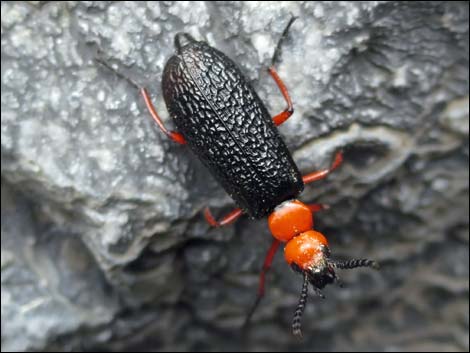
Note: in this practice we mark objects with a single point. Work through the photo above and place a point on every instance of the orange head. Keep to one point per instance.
(308, 253)
(306, 250)
(289, 219)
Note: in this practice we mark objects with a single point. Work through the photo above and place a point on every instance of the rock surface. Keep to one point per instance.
(102, 241)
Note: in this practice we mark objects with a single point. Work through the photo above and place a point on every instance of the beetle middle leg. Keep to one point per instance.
(228, 219)
(321, 174)
(315, 207)
(283, 116)
(175, 136)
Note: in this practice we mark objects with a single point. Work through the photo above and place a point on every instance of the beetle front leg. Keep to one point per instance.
(268, 260)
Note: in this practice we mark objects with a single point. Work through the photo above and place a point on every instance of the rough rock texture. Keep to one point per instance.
(102, 241)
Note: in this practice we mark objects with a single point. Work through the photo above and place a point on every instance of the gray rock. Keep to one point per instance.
(103, 243)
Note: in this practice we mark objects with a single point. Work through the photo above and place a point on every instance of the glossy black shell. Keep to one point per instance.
(228, 127)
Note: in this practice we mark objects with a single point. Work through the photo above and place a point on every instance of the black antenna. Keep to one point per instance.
(296, 321)
(354, 263)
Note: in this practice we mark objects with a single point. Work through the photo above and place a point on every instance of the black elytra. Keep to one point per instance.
(228, 127)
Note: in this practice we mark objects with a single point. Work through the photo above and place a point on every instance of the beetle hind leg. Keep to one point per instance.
(173, 135)
(286, 114)
(283, 116)
(278, 50)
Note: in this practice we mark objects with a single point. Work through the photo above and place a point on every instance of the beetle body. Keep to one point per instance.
(224, 122)
(228, 127)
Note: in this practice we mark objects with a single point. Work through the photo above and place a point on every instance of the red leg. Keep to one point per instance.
(281, 117)
(315, 207)
(230, 218)
(175, 136)
(321, 174)
(266, 266)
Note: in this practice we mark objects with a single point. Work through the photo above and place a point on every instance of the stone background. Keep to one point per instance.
(103, 246)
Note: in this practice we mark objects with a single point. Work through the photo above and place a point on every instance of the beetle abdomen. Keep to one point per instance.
(228, 127)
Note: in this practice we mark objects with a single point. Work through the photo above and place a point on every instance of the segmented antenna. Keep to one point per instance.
(296, 321)
(354, 263)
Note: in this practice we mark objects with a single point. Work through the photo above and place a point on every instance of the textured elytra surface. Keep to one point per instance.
(103, 244)
(229, 129)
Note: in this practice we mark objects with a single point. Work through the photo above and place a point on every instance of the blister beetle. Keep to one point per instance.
(221, 118)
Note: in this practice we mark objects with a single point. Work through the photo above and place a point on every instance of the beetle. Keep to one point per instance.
(221, 118)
